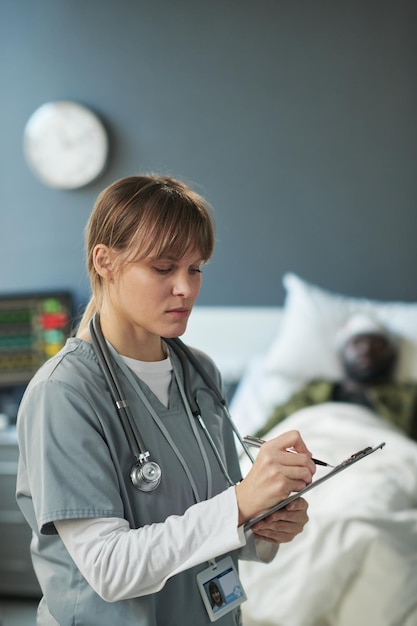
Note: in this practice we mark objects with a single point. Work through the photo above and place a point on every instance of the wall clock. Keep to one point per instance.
(65, 144)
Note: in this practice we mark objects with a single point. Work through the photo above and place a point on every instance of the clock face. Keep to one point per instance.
(65, 145)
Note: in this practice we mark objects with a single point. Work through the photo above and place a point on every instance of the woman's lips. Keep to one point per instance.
(179, 313)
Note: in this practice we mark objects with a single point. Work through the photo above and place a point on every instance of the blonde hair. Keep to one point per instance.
(142, 215)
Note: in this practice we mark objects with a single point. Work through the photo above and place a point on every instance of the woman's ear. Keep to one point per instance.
(103, 261)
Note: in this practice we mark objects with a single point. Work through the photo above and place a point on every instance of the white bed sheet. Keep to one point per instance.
(356, 560)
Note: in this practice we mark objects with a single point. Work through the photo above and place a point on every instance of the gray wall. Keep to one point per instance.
(296, 119)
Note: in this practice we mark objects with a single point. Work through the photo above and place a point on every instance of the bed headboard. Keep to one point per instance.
(231, 336)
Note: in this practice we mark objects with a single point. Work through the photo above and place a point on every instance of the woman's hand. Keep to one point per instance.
(285, 524)
(283, 466)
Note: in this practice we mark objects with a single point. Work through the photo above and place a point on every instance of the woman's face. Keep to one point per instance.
(217, 599)
(153, 297)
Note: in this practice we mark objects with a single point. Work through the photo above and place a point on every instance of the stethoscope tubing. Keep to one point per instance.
(180, 347)
(136, 443)
(184, 354)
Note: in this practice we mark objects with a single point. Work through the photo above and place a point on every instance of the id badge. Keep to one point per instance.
(220, 588)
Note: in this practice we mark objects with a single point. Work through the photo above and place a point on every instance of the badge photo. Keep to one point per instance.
(220, 588)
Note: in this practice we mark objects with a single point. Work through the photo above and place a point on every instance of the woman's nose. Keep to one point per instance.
(182, 285)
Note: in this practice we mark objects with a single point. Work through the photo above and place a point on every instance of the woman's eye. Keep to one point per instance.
(168, 270)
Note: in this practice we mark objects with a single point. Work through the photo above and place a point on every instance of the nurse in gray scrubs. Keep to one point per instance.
(105, 552)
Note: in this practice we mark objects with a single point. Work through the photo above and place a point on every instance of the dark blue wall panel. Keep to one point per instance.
(296, 119)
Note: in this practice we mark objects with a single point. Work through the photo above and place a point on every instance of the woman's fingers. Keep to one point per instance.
(276, 473)
(283, 525)
(290, 439)
(293, 465)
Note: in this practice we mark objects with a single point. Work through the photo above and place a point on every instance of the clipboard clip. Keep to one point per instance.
(360, 454)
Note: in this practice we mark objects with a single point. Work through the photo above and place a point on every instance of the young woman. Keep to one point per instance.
(104, 551)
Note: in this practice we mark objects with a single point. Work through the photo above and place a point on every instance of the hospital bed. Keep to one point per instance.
(356, 560)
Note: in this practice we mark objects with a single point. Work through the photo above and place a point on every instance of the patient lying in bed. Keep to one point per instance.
(356, 561)
(368, 355)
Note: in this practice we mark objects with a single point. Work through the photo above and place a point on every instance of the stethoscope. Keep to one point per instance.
(146, 474)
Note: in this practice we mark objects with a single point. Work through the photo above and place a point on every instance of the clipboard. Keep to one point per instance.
(339, 468)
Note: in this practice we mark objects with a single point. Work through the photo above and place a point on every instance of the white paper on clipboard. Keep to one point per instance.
(339, 468)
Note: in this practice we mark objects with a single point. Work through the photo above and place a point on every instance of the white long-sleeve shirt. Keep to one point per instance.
(121, 563)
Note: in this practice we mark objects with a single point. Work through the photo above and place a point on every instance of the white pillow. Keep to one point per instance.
(305, 346)
(258, 393)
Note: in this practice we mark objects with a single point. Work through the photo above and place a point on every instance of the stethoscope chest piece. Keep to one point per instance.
(145, 476)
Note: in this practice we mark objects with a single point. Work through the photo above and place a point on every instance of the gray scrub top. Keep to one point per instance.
(75, 462)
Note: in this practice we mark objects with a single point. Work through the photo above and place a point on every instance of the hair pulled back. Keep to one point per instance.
(141, 215)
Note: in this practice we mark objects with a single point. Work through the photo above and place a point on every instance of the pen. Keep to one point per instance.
(256, 442)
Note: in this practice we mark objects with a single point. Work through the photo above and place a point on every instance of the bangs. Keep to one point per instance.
(173, 228)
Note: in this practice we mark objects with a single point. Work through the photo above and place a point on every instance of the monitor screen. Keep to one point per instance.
(33, 327)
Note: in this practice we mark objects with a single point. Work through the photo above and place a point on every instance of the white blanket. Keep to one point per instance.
(356, 560)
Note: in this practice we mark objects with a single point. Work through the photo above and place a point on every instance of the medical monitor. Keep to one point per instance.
(33, 327)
